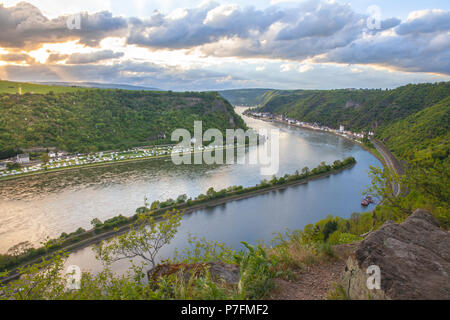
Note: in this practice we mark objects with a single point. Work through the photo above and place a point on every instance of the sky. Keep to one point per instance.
(213, 45)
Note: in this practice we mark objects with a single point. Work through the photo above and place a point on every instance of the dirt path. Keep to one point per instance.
(316, 281)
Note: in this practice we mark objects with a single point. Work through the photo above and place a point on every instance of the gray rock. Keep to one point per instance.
(413, 257)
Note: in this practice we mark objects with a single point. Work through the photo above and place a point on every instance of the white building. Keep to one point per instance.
(341, 128)
(23, 158)
(51, 154)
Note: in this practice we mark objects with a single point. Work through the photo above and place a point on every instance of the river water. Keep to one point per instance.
(35, 207)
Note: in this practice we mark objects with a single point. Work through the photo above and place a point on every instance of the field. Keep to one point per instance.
(13, 87)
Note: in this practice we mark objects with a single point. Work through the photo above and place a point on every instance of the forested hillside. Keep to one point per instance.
(96, 119)
(423, 134)
(356, 109)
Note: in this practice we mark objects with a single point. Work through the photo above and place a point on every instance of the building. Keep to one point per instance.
(341, 128)
(23, 158)
(51, 154)
(2, 165)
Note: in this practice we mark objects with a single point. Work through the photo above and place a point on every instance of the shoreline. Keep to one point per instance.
(371, 151)
(102, 164)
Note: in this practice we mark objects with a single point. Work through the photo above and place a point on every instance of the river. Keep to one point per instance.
(33, 208)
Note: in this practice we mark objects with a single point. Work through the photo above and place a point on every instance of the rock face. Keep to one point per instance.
(413, 257)
(229, 273)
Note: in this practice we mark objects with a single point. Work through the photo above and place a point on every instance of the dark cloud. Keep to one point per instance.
(421, 44)
(24, 26)
(408, 53)
(324, 21)
(17, 57)
(55, 57)
(85, 58)
(429, 21)
(201, 25)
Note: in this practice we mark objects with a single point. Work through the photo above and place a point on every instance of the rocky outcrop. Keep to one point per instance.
(413, 260)
(219, 271)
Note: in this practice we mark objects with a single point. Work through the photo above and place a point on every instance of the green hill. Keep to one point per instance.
(424, 133)
(356, 109)
(97, 119)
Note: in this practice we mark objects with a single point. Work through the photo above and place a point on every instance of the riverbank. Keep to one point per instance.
(103, 164)
(374, 151)
(84, 239)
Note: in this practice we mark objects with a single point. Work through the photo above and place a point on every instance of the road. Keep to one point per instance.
(391, 162)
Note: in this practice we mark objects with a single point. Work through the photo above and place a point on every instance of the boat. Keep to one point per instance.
(367, 201)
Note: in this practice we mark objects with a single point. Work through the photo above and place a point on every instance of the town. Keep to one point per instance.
(357, 137)
(24, 164)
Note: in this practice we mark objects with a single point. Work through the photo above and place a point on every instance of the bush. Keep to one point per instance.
(338, 237)
(329, 228)
(257, 272)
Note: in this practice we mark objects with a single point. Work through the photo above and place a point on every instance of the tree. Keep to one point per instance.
(145, 239)
(96, 222)
(211, 193)
(182, 198)
(45, 158)
(383, 186)
(19, 249)
(305, 171)
(329, 228)
(13, 166)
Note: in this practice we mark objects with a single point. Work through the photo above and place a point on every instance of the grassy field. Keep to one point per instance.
(13, 87)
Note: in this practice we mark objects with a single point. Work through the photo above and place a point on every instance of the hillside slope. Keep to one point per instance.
(96, 119)
(356, 109)
(427, 131)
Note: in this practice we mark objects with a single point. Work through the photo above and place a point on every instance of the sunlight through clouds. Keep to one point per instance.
(280, 43)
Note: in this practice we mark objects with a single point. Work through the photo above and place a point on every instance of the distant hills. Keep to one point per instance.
(62, 87)
(101, 85)
(244, 97)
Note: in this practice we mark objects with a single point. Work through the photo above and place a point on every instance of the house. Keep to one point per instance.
(341, 128)
(51, 154)
(23, 158)
(2, 165)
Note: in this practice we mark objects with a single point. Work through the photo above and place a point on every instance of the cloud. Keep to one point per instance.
(417, 45)
(55, 57)
(311, 30)
(201, 25)
(312, 27)
(85, 58)
(17, 57)
(426, 21)
(24, 26)
(130, 72)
